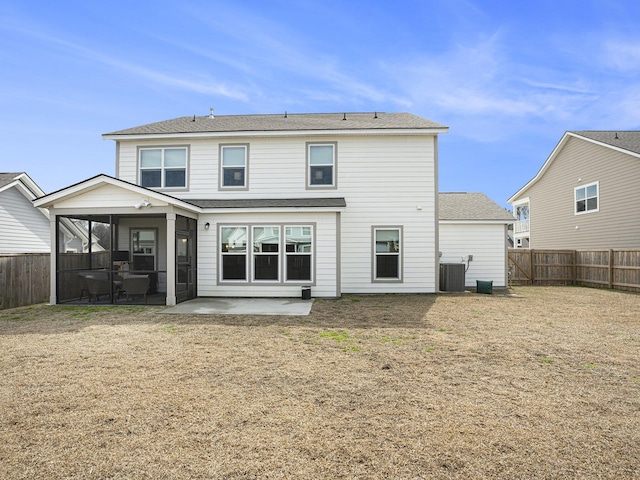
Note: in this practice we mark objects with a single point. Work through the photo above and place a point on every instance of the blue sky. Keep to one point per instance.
(508, 77)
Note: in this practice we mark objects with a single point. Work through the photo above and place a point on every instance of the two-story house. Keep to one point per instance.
(262, 205)
(584, 196)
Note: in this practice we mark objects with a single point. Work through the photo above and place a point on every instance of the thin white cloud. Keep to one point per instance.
(621, 55)
(275, 51)
(203, 85)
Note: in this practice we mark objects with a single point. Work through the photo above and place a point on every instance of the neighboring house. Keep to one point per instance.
(23, 228)
(473, 231)
(585, 195)
(265, 205)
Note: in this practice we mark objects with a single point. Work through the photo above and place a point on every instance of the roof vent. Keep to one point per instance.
(616, 137)
(375, 115)
(286, 115)
(345, 117)
(211, 113)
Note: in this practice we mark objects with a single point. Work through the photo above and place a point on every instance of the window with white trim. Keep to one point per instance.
(233, 166)
(266, 253)
(298, 245)
(586, 198)
(233, 252)
(143, 249)
(387, 252)
(163, 167)
(321, 165)
(273, 257)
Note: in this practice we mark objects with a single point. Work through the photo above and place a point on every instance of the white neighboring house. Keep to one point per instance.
(23, 228)
(473, 225)
(264, 205)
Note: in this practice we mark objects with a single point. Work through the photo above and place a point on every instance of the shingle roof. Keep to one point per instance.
(627, 140)
(284, 122)
(470, 206)
(6, 178)
(271, 203)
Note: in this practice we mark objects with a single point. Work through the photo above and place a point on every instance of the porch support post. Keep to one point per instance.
(53, 256)
(171, 258)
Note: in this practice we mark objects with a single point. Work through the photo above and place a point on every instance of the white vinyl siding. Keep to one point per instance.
(25, 229)
(385, 180)
(383, 192)
(487, 244)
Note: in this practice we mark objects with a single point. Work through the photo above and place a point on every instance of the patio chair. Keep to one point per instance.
(97, 286)
(96, 283)
(136, 285)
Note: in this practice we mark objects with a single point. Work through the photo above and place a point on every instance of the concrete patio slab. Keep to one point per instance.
(243, 306)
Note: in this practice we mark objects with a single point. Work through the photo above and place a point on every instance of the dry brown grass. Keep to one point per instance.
(542, 385)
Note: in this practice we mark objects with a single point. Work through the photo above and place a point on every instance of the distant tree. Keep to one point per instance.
(102, 232)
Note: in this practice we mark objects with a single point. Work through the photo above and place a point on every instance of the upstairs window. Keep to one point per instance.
(163, 167)
(233, 166)
(321, 165)
(586, 198)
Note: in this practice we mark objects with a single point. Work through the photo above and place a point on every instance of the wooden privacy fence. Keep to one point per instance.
(24, 279)
(613, 268)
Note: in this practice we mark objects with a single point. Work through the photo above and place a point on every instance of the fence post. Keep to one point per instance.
(533, 267)
(574, 270)
(610, 268)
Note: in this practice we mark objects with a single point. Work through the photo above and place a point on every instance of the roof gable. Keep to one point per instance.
(22, 182)
(627, 142)
(108, 184)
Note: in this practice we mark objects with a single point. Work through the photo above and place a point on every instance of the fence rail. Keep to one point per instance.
(612, 268)
(24, 279)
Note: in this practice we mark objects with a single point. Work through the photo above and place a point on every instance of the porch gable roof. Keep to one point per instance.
(49, 200)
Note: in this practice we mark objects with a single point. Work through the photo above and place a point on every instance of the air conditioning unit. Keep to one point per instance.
(452, 277)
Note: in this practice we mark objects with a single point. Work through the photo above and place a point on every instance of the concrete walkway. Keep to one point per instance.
(243, 306)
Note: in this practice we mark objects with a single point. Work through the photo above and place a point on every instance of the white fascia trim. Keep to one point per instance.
(544, 167)
(476, 222)
(522, 201)
(30, 184)
(79, 189)
(284, 133)
(231, 211)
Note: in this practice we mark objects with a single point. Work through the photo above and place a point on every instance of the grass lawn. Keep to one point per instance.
(542, 384)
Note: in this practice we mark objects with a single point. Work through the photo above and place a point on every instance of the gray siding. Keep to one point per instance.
(616, 225)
